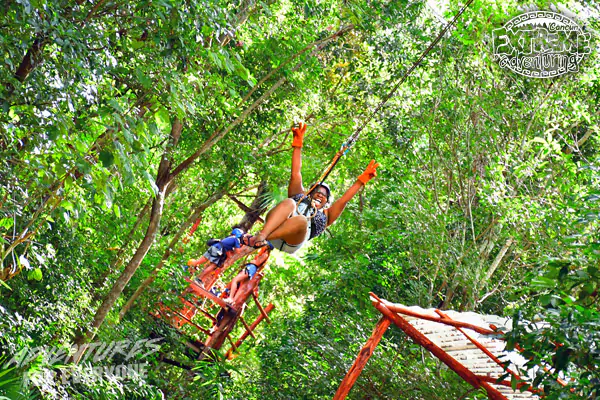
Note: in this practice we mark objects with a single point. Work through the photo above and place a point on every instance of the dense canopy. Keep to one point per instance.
(124, 122)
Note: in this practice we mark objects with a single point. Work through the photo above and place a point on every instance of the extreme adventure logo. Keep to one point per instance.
(540, 44)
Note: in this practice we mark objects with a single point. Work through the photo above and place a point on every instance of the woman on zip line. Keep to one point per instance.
(288, 226)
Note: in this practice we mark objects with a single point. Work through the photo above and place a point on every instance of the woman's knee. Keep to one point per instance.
(288, 204)
(298, 226)
(300, 221)
(286, 207)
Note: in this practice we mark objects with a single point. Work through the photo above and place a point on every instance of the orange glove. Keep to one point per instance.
(298, 134)
(370, 172)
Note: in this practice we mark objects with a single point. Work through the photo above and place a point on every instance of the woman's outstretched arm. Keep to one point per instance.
(295, 187)
(338, 206)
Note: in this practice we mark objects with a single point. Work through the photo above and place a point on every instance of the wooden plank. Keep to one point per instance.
(233, 346)
(362, 358)
(434, 349)
(492, 392)
(447, 321)
(200, 291)
(483, 349)
(253, 326)
(248, 328)
(260, 307)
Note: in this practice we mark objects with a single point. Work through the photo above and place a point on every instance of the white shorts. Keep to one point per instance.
(281, 245)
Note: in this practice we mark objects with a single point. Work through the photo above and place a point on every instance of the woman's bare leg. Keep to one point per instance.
(240, 278)
(207, 271)
(292, 231)
(194, 264)
(277, 216)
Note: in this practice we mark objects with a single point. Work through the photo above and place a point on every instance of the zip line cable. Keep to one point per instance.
(355, 136)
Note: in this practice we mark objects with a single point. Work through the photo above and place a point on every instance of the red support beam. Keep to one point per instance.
(492, 392)
(362, 358)
(482, 348)
(442, 320)
(205, 331)
(434, 349)
(260, 307)
(197, 289)
(207, 314)
(258, 320)
(248, 328)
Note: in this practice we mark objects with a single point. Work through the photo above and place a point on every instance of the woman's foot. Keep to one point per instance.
(256, 241)
(260, 240)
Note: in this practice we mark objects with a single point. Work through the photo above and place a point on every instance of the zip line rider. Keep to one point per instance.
(217, 253)
(288, 227)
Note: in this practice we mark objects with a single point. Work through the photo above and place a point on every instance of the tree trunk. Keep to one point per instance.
(163, 179)
(119, 258)
(132, 266)
(148, 281)
(258, 206)
(30, 59)
(497, 261)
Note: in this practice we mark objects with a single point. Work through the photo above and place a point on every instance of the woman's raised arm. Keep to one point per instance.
(338, 206)
(295, 187)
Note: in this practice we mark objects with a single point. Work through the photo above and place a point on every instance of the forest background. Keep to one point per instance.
(124, 122)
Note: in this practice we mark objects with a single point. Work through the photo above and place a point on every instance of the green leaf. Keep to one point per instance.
(6, 223)
(562, 358)
(4, 284)
(35, 274)
(108, 196)
(115, 104)
(215, 59)
(162, 119)
(243, 72)
(83, 166)
(543, 282)
(545, 299)
(144, 80)
(150, 179)
(107, 158)
(67, 205)
(52, 133)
